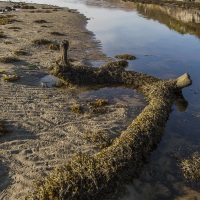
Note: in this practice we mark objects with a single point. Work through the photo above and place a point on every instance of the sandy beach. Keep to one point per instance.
(44, 133)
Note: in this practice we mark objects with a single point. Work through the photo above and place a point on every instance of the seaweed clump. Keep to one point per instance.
(126, 57)
(40, 21)
(94, 177)
(14, 27)
(56, 33)
(59, 84)
(2, 71)
(77, 108)
(41, 41)
(99, 139)
(6, 19)
(191, 167)
(20, 52)
(7, 42)
(10, 77)
(2, 35)
(9, 59)
(98, 107)
(54, 47)
(100, 103)
(26, 6)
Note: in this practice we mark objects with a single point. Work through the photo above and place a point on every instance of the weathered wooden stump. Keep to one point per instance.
(64, 53)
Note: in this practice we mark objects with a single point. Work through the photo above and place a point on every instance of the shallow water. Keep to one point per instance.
(48, 81)
(166, 44)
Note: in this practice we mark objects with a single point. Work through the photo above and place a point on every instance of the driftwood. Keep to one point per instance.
(92, 177)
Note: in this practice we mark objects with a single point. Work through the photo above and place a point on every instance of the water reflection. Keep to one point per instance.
(48, 81)
(181, 20)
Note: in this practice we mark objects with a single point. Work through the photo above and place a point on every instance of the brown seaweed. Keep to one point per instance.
(94, 176)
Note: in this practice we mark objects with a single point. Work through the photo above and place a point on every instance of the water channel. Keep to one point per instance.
(166, 42)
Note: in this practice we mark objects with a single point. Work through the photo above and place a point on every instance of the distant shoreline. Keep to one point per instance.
(181, 4)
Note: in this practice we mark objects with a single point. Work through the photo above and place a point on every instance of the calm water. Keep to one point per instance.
(166, 44)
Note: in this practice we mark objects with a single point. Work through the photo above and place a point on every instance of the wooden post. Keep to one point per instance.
(183, 81)
(63, 51)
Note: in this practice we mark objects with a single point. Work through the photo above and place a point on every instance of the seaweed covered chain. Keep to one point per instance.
(111, 73)
(3, 129)
(93, 177)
